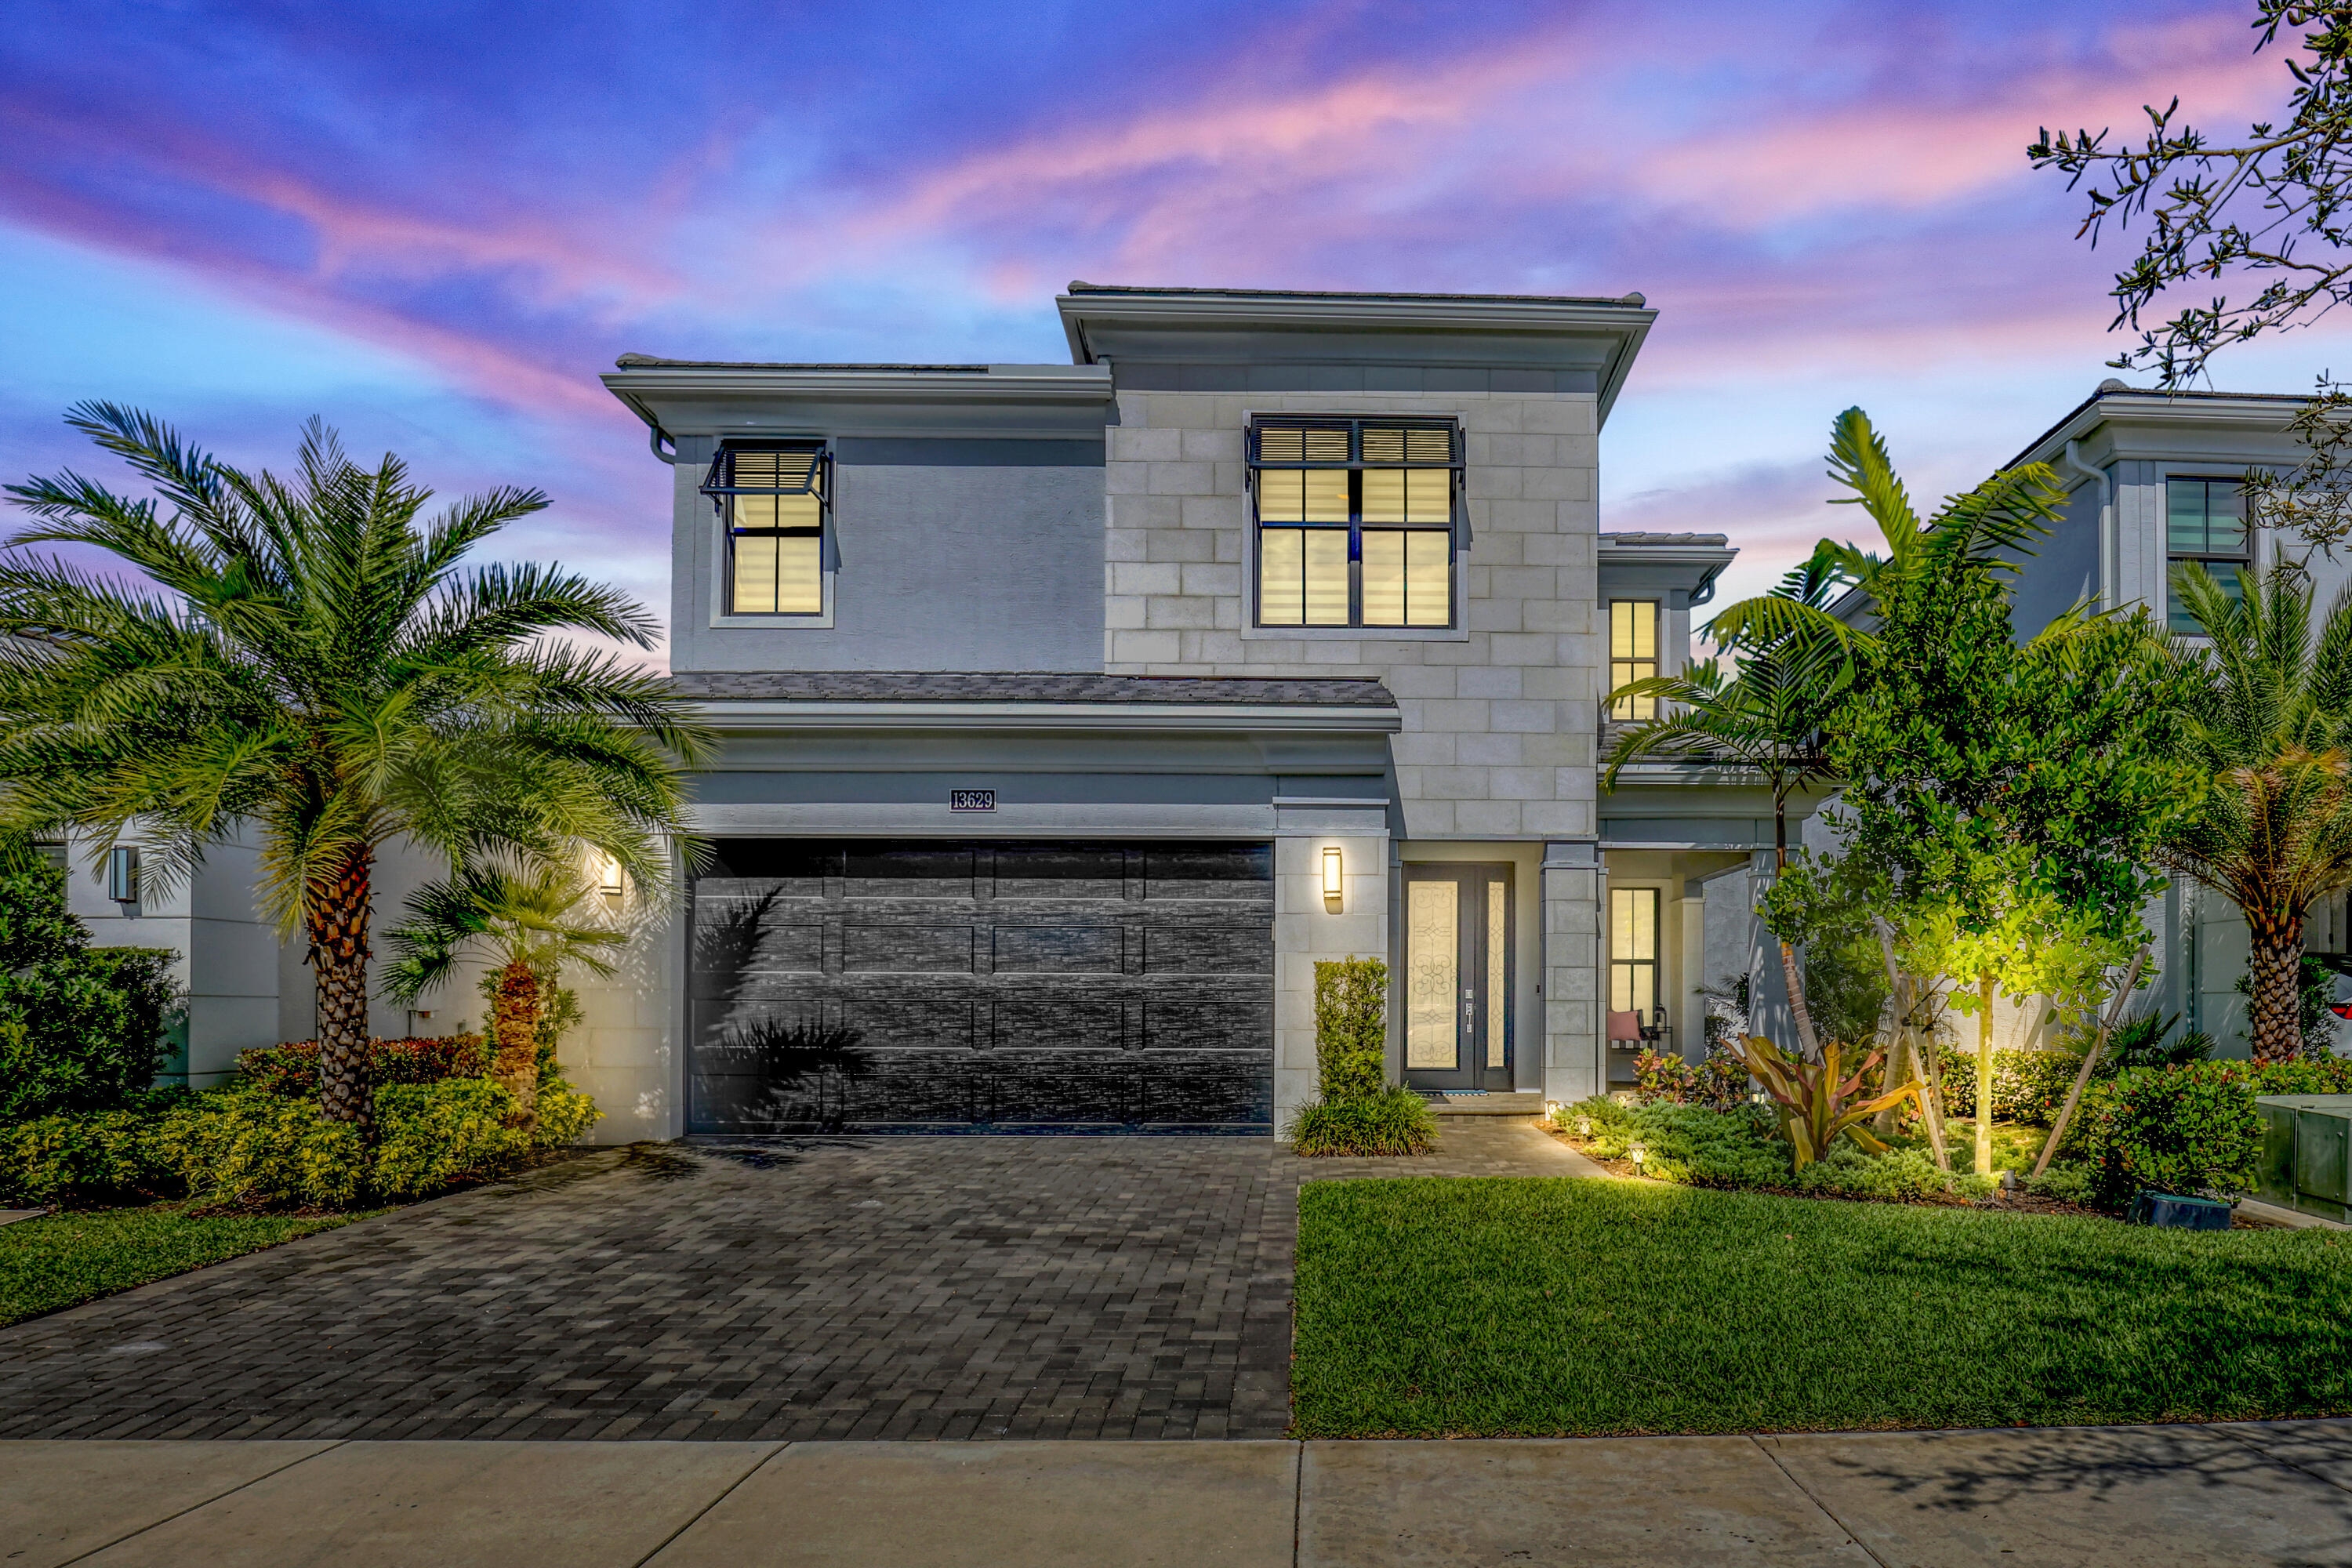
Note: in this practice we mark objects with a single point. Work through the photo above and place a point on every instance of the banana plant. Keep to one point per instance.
(1816, 1103)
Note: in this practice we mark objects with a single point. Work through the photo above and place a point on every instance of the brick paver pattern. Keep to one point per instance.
(784, 1289)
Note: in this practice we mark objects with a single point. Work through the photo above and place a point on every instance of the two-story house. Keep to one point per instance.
(1073, 712)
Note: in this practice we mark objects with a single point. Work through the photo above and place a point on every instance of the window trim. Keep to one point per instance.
(1354, 629)
(718, 486)
(2243, 558)
(1655, 963)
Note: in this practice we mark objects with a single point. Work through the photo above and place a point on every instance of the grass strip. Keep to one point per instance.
(67, 1258)
(1537, 1307)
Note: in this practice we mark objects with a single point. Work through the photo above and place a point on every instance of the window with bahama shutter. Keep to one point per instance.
(771, 496)
(1355, 521)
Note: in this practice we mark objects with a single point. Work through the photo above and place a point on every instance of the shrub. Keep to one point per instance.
(2027, 1086)
(1392, 1122)
(1898, 1173)
(1685, 1144)
(2067, 1180)
(1719, 1082)
(244, 1147)
(292, 1069)
(82, 1028)
(1350, 1030)
(2183, 1128)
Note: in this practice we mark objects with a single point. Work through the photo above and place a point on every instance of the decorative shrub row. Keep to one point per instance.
(251, 1147)
(1697, 1147)
(2187, 1128)
(2027, 1086)
(293, 1068)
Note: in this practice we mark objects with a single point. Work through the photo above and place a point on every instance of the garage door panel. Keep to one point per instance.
(894, 1023)
(1060, 950)
(1097, 875)
(1008, 986)
(1193, 1020)
(1208, 949)
(906, 949)
(1062, 1019)
(1212, 1089)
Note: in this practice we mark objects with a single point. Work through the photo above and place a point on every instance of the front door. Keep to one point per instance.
(1457, 977)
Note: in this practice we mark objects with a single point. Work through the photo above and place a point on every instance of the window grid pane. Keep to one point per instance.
(1632, 949)
(2205, 522)
(1399, 576)
(1633, 655)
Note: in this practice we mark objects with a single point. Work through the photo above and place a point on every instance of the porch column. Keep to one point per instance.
(1572, 884)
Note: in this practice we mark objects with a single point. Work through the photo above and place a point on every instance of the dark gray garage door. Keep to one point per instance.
(927, 986)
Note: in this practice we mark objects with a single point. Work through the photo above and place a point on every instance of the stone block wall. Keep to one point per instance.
(1499, 712)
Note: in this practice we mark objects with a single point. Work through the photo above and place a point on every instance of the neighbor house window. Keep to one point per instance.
(1633, 654)
(2204, 521)
(1355, 521)
(1632, 949)
(771, 499)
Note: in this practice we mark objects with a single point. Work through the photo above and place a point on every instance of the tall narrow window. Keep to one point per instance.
(1633, 950)
(1355, 521)
(2204, 521)
(1633, 655)
(771, 499)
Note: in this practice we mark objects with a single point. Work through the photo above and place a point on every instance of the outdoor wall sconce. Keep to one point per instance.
(122, 876)
(1333, 886)
(606, 873)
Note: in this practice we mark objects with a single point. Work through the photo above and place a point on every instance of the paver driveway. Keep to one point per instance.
(835, 1287)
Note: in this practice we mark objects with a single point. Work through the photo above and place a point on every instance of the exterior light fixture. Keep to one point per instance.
(1333, 885)
(1584, 1127)
(1637, 1153)
(122, 875)
(606, 873)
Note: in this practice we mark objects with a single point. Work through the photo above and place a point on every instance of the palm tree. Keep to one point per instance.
(2268, 723)
(1766, 717)
(304, 658)
(531, 921)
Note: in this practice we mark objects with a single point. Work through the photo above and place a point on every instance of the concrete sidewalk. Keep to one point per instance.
(2275, 1493)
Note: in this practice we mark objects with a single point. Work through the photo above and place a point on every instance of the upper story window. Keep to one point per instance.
(771, 496)
(1633, 654)
(1355, 521)
(2204, 521)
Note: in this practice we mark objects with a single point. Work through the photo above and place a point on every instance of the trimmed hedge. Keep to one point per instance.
(82, 1028)
(2027, 1086)
(249, 1148)
(293, 1068)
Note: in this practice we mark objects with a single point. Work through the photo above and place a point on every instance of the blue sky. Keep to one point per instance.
(434, 223)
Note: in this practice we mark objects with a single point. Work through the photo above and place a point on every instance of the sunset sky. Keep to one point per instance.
(436, 223)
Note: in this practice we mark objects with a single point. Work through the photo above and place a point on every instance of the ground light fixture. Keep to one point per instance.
(1333, 885)
(1637, 1153)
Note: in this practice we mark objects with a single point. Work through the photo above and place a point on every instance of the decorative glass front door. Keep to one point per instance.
(1456, 987)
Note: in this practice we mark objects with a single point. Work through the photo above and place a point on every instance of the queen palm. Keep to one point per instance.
(309, 660)
(2268, 721)
(531, 921)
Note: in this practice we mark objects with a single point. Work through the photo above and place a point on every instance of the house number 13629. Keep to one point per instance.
(972, 800)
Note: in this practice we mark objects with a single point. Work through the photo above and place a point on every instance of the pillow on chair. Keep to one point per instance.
(1625, 1026)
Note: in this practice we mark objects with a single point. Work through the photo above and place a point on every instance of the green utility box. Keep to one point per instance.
(2308, 1152)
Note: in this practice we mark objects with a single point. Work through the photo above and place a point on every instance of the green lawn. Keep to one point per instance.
(1528, 1307)
(45, 1264)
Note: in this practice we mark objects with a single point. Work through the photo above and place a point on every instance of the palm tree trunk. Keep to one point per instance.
(2273, 966)
(514, 1034)
(1807, 1041)
(1984, 1075)
(337, 935)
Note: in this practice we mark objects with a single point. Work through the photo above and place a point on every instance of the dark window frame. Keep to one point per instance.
(721, 484)
(1612, 712)
(2241, 558)
(1355, 466)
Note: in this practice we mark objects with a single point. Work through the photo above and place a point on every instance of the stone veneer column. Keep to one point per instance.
(1571, 963)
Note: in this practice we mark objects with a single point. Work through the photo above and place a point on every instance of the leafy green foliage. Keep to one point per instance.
(2266, 210)
(1350, 1028)
(1518, 1307)
(1719, 1082)
(82, 1028)
(2146, 1040)
(2027, 1086)
(1391, 1122)
(247, 1148)
(2177, 1130)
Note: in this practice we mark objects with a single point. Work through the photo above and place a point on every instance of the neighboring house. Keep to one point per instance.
(1072, 713)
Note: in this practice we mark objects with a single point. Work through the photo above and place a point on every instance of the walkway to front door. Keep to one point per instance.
(905, 1288)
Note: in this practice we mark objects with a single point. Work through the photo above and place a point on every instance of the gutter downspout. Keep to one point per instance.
(655, 436)
(2109, 568)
